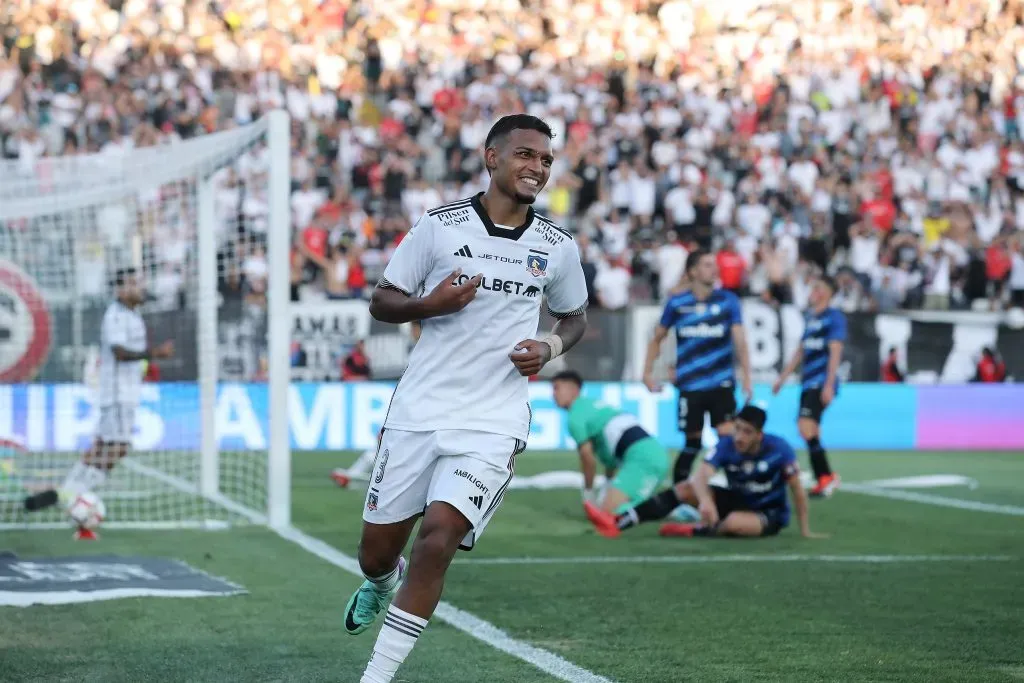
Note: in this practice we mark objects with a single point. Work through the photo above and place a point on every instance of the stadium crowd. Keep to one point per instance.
(878, 140)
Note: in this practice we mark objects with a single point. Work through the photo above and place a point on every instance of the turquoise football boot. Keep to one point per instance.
(367, 602)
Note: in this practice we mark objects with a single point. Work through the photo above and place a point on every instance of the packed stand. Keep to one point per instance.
(876, 140)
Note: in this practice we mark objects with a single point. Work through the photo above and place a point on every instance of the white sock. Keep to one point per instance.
(394, 643)
(387, 583)
(83, 477)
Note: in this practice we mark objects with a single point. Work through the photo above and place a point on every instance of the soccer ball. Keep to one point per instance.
(87, 510)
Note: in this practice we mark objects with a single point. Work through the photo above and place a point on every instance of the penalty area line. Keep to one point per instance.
(473, 626)
(738, 559)
(932, 499)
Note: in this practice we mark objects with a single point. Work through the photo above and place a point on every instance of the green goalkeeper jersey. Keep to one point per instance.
(611, 431)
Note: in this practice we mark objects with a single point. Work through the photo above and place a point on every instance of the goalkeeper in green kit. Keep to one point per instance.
(636, 463)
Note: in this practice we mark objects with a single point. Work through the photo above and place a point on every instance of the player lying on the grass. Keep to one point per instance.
(758, 468)
(360, 469)
(123, 348)
(819, 355)
(635, 462)
(461, 412)
(710, 343)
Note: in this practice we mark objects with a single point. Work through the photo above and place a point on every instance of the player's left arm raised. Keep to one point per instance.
(567, 301)
(836, 339)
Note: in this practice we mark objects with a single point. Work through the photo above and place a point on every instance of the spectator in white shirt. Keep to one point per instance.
(938, 283)
(643, 192)
(804, 174)
(670, 260)
(753, 217)
(612, 285)
(865, 245)
(615, 234)
(679, 207)
(305, 202)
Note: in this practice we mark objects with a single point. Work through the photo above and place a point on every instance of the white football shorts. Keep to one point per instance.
(469, 470)
(116, 423)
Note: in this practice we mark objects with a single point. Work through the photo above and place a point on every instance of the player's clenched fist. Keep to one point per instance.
(529, 356)
(449, 297)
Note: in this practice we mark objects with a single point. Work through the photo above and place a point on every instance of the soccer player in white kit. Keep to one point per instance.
(123, 347)
(475, 272)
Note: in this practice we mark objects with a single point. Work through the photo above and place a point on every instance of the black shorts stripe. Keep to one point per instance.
(628, 438)
(400, 628)
(579, 311)
(519, 448)
(385, 283)
(450, 207)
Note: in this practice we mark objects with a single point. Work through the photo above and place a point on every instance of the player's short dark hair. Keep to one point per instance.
(829, 282)
(694, 257)
(753, 415)
(569, 376)
(122, 274)
(511, 122)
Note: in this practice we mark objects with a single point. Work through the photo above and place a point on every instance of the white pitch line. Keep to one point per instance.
(473, 626)
(932, 499)
(204, 525)
(725, 559)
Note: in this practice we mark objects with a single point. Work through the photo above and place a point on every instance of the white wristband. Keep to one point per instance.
(554, 342)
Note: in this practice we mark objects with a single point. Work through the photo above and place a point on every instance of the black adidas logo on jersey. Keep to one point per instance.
(478, 501)
(464, 251)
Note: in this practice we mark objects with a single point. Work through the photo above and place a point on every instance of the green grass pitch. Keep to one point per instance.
(730, 619)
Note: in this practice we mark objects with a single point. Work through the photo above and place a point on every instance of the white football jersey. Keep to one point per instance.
(120, 382)
(460, 375)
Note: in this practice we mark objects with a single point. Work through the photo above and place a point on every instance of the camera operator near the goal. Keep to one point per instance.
(123, 351)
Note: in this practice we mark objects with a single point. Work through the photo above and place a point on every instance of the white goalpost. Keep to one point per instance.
(206, 224)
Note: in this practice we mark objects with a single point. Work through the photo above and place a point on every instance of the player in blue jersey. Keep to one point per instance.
(758, 467)
(710, 342)
(819, 355)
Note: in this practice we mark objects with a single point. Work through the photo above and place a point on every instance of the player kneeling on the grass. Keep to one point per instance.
(758, 468)
(461, 412)
(123, 348)
(635, 462)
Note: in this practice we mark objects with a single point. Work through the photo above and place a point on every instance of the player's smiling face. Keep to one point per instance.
(523, 164)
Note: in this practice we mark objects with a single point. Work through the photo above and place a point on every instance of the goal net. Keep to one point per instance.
(205, 224)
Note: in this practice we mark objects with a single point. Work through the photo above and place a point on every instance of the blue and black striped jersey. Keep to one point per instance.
(819, 331)
(704, 350)
(761, 478)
